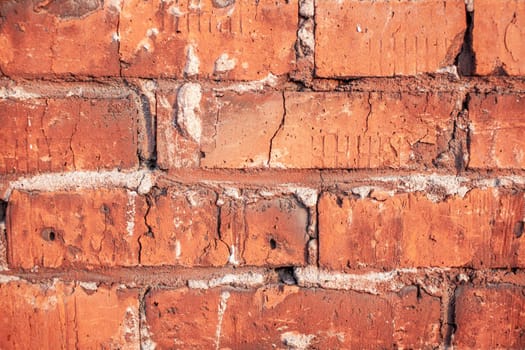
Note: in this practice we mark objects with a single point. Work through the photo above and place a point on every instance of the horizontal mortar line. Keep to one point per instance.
(255, 277)
(120, 87)
(328, 177)
(176, 276)
(142, 181)
(139, 180)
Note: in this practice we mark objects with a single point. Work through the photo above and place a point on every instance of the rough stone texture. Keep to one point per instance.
(362, 130)
(290, 317)
(496, 131)
(55, 38)
(385, 38)
(269, 232)
(490, 317)
(498, 36)
(67, 134)
(480, 230)
(184, 230)
(67, 316)
(243, 40)
(63, 229)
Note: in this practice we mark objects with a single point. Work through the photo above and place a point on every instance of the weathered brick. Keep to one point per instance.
(231, 39)
(67, 316)
(189, 228)
(385, 38)
(362, 130)
(496, 131)
(87, 228)
(234, 130)
(67, 134)
(42, 38)
(490, 317)
(269, 232)
(503, 51)
(184, 230)
(483, 229)
(277, 316)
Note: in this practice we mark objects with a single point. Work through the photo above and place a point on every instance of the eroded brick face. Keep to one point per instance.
(275, 317)
(362, 130)
(227, 39)
(85, 229)
(386, 38)
(67, 315)
(409, 230)
(501, 52)
(55, 38)
(496, 130)
(494, 313)
(53, 135)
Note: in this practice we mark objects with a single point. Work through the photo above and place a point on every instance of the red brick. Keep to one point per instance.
(56, 38)
(277, 316)
(268, 232)
(339, 130)
(490, 317)
(184, 225)
(362, 130)
(67, 134)
(496, 131)
(67, 316)
(409, 230)
(503, 50)
(236, 130)
(87, 228)
(255, 38)
(385, 38)
(244, 129)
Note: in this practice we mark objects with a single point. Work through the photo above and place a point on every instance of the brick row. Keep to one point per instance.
(174, 226)
(287, 316)
(247, 39)
(227, 39)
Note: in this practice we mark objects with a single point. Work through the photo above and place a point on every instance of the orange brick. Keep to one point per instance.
(490, 317)
(243, 40)
(88, 228)
(67, 316)
(269, 232)
(409, 230)
(279, 317)
(385, 38)
(235, 129)
(362, 130)
(184, 225)
(42, 38)
(67, 134)
(503, 50)
(496, 131)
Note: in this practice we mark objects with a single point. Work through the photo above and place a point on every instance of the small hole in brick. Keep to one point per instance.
(273, 243)
(49, 234)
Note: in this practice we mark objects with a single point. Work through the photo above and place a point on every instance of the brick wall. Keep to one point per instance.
(241, 174)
